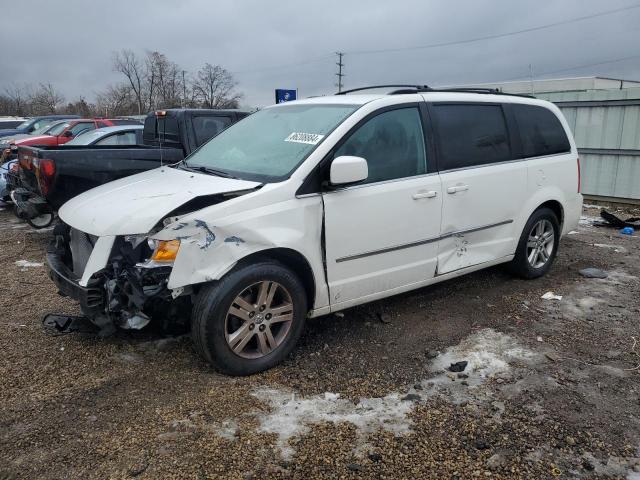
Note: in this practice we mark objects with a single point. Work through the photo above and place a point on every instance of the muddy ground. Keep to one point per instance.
(551, 389)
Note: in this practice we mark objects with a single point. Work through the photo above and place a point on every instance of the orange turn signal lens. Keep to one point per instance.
(166, 251)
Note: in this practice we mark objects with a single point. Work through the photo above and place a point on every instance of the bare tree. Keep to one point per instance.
(214, 87)
(116, 100)
(45, 100)
(17, 96)
(128, 63)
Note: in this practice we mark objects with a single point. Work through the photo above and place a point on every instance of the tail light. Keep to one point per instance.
(579, 178)
(46, 170)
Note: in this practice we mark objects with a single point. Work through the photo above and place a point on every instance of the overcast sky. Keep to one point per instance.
(290, 44)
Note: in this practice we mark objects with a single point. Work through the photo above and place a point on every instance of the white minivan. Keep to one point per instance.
(314, 206)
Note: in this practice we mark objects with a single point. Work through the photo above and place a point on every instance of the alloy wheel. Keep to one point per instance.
(259, 319)
(540, 243)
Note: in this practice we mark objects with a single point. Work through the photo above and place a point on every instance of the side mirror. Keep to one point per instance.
(347, 169)
(68, 134)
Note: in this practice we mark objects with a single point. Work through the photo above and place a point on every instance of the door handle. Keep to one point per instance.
(457, 188)
(429, 194)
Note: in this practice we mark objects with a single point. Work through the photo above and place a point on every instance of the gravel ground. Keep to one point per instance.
(550, 389)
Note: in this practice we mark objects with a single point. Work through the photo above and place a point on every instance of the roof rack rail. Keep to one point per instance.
(414, 87)
(406, 88)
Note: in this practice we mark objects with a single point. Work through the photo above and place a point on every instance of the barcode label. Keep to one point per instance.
(310, 138)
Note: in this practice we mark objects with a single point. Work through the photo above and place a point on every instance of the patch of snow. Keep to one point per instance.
(227, 429)
(489, 354)
(24, 264)
(551, 296)
(586, 220)
(573, 232)
(588, 205)
(291, 415)
(615, 248)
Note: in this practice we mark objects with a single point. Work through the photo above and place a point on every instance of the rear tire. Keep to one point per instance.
(538, 245)
(251, 319)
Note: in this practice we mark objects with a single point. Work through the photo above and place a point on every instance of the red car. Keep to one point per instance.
(65, 131)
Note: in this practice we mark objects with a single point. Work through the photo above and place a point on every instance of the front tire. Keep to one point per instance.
(251, 319)
(538, 245)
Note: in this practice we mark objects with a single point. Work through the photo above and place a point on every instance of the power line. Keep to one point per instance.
(339, 74)
(491, 37)
(577, 67)
(282, 67)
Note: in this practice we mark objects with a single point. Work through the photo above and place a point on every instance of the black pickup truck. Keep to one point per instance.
(49, 176)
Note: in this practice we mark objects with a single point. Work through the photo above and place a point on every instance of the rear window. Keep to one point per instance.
(541, 132)
(161, 129)
(470, 134)
(207, 127)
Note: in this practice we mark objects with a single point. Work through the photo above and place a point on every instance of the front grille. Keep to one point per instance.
(81, 245)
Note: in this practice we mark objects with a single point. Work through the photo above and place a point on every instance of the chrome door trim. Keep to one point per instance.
(420, 242)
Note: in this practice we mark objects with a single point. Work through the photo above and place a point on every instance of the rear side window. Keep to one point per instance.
(541, 132)
(121, 138)
(208, 127)
(392, 143)
(468, 135)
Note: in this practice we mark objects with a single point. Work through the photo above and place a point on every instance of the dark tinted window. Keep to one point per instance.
(470, 134)
(209, 127)
(161, 129)
(540, 131)
(392, 143)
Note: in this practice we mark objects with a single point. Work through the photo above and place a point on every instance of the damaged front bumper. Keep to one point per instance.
(124, 293)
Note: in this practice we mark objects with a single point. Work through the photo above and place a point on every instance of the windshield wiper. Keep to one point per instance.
(209, 170)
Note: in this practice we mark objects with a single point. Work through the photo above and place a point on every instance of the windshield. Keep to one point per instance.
(25, 124)
(271, 143)
(58, 129)
(44, 126)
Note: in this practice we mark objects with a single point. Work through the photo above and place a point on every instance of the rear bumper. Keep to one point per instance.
(91, 298)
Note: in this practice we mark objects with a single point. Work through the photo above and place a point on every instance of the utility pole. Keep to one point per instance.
(184, 91)
(533, 92)
(340, 74)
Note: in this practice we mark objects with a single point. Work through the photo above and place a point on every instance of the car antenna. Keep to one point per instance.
(161, 114)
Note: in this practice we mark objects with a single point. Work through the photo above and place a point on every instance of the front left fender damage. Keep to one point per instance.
(209, 250)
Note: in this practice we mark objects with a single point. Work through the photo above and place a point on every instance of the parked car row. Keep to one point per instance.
(300, 210)
(51, 175)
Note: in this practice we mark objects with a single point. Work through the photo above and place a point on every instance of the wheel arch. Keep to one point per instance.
(556, 207)
(292, 259)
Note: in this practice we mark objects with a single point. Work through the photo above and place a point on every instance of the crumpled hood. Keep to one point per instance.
(133, 205)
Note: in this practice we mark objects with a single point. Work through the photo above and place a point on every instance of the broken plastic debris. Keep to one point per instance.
(458, 366)
(551, 296)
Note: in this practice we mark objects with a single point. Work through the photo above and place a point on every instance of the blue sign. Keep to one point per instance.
(283, 95)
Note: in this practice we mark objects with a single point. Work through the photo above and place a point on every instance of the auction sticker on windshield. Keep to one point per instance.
(310, 138)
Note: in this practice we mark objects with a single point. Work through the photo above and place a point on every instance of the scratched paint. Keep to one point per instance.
(234, 239)
(209, 237)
